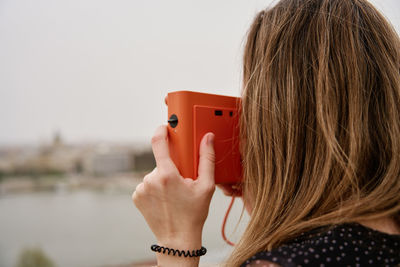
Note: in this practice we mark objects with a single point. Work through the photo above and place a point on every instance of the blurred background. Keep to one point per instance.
(82, 87)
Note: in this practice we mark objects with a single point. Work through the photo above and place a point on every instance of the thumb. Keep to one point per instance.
(207, 159)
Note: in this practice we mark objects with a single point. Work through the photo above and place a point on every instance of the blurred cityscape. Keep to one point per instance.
(56, 164)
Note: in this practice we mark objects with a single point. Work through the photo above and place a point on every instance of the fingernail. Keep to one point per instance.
(210, 139)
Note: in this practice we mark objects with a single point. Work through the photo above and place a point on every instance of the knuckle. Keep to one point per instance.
(146, 181)
(210, 157)
(139, 189)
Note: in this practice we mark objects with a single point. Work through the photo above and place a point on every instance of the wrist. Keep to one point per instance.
(180, 241)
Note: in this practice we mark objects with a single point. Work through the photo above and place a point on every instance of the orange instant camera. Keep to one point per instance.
(190, 116)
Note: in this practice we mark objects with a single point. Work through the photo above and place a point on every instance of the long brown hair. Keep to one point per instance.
(320, 120)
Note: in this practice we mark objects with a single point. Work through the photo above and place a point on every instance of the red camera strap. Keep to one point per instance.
(224, 223)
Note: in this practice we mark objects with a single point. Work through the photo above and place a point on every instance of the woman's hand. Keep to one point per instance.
(175, 208)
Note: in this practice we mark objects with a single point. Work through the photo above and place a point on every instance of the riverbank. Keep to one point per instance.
(123, 182)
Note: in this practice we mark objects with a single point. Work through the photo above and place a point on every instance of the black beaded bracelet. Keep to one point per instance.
(180, 253)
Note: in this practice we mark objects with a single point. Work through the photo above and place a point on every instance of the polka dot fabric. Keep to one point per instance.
(342, 245)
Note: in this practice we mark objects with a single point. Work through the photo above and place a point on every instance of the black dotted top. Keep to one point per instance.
(341, 245)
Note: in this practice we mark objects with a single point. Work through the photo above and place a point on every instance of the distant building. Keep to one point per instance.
(109, 162)
(144, 161)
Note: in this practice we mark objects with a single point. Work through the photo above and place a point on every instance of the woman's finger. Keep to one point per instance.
(207, 160)
(159, 143)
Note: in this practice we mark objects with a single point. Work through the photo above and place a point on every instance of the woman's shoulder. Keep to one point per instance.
(345, 244)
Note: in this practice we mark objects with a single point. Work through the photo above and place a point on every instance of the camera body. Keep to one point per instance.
(190, 116)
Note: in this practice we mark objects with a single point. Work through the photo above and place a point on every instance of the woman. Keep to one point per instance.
(320, 142)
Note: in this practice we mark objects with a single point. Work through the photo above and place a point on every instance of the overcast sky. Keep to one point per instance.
(98, 70)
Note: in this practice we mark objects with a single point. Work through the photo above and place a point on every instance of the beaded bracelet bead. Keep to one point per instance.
(180, 253)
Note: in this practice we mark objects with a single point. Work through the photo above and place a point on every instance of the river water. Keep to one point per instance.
(89, 228)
